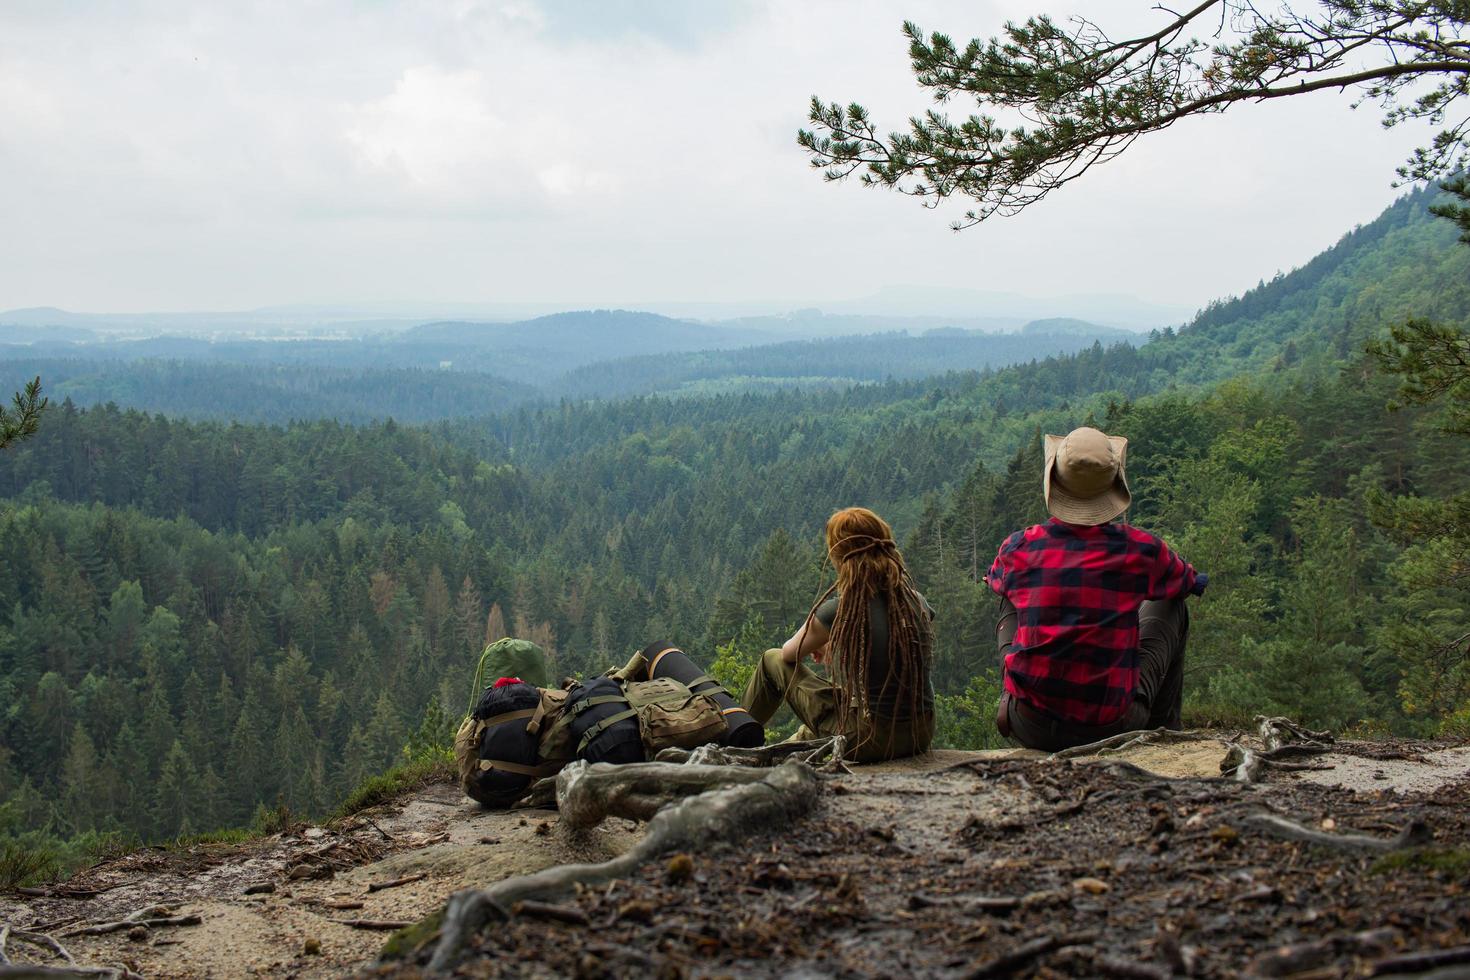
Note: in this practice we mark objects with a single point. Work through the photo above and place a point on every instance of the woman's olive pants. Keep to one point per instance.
(814, 700)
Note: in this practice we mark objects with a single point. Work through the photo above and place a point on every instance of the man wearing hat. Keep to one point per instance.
(1093, 623)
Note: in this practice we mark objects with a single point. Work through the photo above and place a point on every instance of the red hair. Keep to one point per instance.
(869, 565)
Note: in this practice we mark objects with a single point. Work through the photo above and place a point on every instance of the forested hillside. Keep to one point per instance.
(200, 618)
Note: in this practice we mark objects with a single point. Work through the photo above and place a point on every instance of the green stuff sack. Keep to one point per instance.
(511, 657)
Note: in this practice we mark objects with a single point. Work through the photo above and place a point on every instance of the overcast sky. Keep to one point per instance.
(190, 156)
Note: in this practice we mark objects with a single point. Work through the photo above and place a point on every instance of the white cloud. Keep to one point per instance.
(583, 151)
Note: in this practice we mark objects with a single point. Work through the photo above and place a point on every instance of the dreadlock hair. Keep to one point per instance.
(861, 546)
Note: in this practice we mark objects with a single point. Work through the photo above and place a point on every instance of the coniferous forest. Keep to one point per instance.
(202, 620)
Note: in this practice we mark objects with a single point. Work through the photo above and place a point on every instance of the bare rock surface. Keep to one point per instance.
(940, 865)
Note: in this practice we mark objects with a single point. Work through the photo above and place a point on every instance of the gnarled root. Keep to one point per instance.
(1416, 834)
(25, 971)
(1279, 733)
(1242, 763)
(832, 750)
(1281, 739)
(1117, 744)
(728, 812)
(587, 794)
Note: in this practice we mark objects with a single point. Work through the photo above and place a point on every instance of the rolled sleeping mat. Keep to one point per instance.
(508, 759)
(604, 725)
(667, 660)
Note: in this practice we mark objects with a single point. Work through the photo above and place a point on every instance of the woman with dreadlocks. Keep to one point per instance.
(872, 628)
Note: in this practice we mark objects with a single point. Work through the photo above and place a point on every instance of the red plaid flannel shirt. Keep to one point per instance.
(1077, 590)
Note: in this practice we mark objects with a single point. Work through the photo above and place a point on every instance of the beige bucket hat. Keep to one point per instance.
(1085, 481)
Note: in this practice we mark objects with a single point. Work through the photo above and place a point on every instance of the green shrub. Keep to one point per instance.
(436, 767)
(23, 863)
(967, 720)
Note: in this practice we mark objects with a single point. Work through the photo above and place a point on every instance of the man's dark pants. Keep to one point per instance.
(1163, 630)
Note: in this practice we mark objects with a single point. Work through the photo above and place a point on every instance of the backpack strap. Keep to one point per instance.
(572, 711)
(653, 664)
(603, 725)
(538, 772)
(731, 711)
(582, 706)
(692, 684)
(506, 717)
(501, 719)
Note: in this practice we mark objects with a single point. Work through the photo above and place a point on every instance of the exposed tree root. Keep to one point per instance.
(103, 928)
(831, 751)
(1242, 763)
(377, 886)
(10, 970)
(1433, 959)
(586, 794)
(1020, 957)
(1279, 732)
(1281, 739)
(9, 932)
(1415, 834)
(728, 812)
(1303, 958)
(1124, 741)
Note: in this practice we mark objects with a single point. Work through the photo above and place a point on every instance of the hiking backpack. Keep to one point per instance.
(667, 660)
(618, 721)
(497, 755)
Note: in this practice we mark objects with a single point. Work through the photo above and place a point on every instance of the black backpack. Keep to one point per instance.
(604, 727)
(506, 752)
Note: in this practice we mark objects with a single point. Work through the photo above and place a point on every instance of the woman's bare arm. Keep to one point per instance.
(807, 640)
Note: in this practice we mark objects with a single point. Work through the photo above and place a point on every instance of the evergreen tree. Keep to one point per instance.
(178, 800)
(81, 790)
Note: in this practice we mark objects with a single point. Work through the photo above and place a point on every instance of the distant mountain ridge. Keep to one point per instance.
(1405, 262)
(583, 334)
(1066, 326)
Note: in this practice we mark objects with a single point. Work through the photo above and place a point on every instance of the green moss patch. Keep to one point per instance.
(410, 939)
(1452, 861)
(395, 782)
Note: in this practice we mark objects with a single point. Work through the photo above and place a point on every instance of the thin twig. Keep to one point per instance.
(377, 886)
(103, 928)
(1008, 963)
(375, 925)
(546, 910)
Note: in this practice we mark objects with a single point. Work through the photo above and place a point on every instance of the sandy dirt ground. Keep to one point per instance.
(956, 810)
(436, 833)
